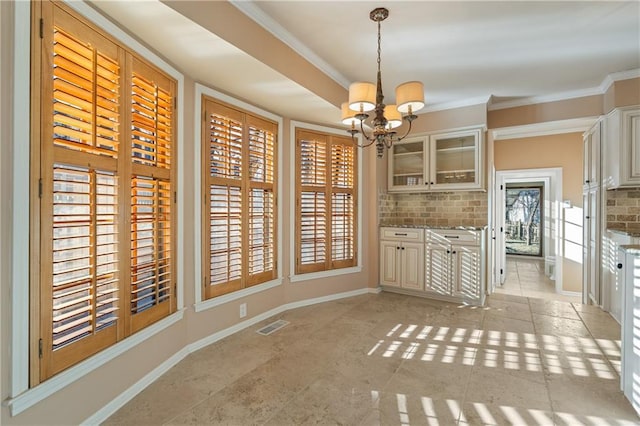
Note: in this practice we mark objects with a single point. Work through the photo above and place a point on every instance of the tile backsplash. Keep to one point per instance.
(623, 209)
(460, 208)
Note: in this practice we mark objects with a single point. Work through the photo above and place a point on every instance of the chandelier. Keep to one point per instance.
(364, 97)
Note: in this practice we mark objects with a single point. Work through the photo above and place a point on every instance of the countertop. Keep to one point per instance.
(631, 232)
(461, 228)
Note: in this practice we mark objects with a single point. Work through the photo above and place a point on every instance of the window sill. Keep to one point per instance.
(324, 274)
(47, 388)
(226, 298)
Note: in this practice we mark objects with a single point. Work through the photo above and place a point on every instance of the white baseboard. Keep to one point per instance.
(118, 402)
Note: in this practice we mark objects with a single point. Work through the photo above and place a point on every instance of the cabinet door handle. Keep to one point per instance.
(454, 252)
(448, 251)
(452, 236)
(398, 234)
(402, 248)
(619, 265)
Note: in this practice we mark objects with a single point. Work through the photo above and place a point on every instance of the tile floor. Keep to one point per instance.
(390, 359)
(525, 277)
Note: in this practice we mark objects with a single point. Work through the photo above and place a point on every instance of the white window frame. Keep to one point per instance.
(293, 277)
(21, 396)
(204, 304)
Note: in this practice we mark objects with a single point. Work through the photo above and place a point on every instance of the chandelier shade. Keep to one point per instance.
(365, 97)
(362, 96)
(349, 115)
(410, 96)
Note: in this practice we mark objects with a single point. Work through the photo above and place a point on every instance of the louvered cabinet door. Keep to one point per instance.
(438, 269)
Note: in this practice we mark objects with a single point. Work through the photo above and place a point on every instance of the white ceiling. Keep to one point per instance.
(462, 51)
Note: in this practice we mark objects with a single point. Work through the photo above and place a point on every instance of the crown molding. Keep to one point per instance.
(455, 104)
(543, 129)
(249, 8)
(562, 96)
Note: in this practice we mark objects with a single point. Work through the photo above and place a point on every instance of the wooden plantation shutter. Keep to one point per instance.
(152, 290)
(326, 202)
(105, 224)
(239, 199)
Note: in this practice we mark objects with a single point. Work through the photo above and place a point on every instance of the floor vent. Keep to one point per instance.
(273, 327)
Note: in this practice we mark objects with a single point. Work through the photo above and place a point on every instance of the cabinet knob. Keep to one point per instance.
(587, 217)
(454, 252)
(587, 181)
(402, 248)
(397, 248)
(448, 251)
(430, 183)
(619, 265)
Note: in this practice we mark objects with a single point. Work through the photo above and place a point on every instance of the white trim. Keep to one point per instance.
(59, 381)
(573, 125)
(324, 274)
(293, 277)
(552, 178)
(278, 31)
(573, 94)
(570, 293)
(105, 412)
(239, 294)
(197, 170)
(126, 396)
(23, 397)
(20, 191)
(480, 100)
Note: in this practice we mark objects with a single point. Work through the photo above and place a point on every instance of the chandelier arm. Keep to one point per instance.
(363, 145)
(364, 134)
(410, 119)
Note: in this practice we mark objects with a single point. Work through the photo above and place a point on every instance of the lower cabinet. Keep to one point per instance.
(449, 265)
(402, 262)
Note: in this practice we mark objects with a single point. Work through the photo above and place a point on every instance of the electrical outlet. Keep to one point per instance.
(243, 310)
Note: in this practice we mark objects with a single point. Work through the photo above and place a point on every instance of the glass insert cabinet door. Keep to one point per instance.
(455, 160)
(407, 163)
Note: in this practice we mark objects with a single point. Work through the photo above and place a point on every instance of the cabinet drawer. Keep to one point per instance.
(402, 234)
(453, 236)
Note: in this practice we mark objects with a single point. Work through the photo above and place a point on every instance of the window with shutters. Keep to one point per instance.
(326, 202)
(239, 210)
(105, 138)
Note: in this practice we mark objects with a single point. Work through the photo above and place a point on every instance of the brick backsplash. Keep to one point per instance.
(623, 209)
(461, 208)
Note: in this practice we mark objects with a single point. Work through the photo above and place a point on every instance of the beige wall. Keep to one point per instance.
(564, 151)
(622, 93)
(589, 106)
(70, 404)
(474, 115)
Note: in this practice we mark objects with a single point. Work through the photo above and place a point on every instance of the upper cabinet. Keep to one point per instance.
(439, 162)
(622, 148)
(591, 165)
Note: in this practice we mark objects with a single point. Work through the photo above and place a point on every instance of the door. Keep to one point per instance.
(438, 268)
(466, 271)
(412, 265)
(523, 222)
(594, 258)
(389, 253)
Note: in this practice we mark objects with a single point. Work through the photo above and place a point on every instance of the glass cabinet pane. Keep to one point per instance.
(455, 159)
(408, 163)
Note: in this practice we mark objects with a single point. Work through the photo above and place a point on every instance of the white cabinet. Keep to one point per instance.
(622, 142)
(454, 265)
(592, 209)
(438, 162)
(402, 258)
(630, 270)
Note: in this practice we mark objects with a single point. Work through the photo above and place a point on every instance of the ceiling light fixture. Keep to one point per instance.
(364, 96)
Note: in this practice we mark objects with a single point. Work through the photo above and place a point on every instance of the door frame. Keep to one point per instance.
(551, 179)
